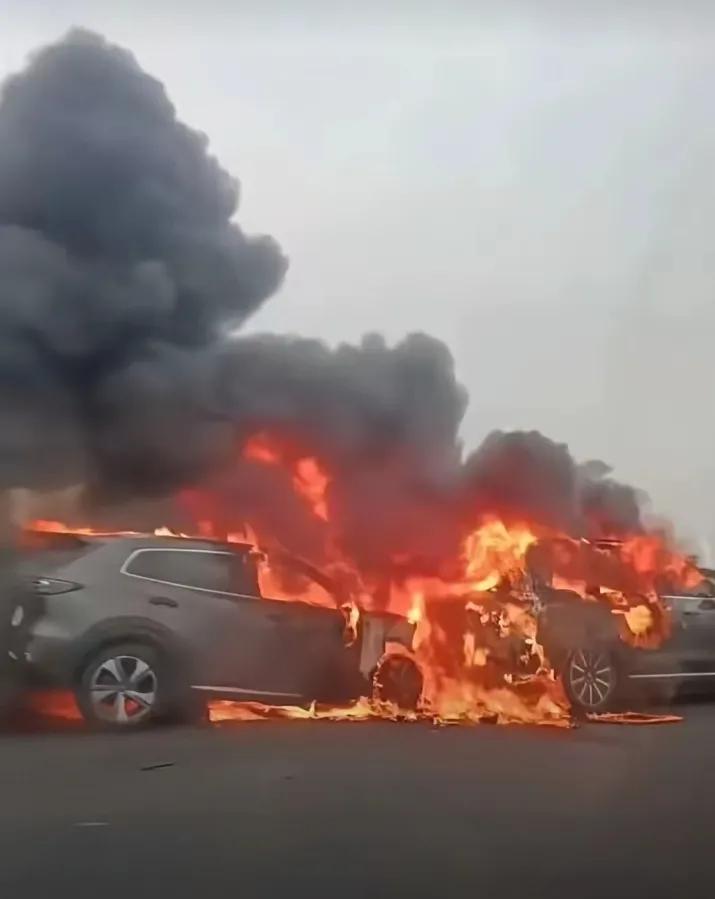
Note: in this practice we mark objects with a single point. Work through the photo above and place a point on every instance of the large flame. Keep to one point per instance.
(309, 479)
(476, 636)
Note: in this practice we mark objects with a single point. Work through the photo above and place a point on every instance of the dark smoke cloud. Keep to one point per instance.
(118, 259)
(383, 422)
(356, 403)
(122, 274)
(607, 506)
(525, 475)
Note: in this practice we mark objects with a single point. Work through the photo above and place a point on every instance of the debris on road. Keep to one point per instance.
(632, 718)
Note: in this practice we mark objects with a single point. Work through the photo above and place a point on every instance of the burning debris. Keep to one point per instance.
(123, 276)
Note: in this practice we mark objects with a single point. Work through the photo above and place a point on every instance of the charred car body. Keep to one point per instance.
(598, 668)
(589, 643)
(146, 627)
(584, 639)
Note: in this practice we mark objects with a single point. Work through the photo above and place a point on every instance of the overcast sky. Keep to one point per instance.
(531, 183)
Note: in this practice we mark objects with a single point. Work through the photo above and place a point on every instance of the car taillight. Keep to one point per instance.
(48, 586)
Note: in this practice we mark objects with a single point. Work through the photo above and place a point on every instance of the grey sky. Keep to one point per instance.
(530, 183)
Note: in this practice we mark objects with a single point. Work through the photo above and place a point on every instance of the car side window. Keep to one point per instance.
(217, 572)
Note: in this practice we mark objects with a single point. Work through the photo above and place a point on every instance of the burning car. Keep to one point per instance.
(593, 644)
(144, 628)
(596, 641)
(532, 627)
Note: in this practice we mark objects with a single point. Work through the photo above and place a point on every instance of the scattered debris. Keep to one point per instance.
(632, 718)
(157, 766)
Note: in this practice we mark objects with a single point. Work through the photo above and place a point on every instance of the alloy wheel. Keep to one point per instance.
(123, 690)
(592, 677)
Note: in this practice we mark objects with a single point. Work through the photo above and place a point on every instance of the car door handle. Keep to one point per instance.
(164, 601)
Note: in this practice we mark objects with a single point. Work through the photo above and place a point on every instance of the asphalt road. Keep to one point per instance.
(360, 810)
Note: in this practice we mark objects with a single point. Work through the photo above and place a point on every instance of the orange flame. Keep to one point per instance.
(309, 479)
(475, 636)
(312, 483)
(493, 551)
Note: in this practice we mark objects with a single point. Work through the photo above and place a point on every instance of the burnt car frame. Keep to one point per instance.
(584, 640)
(598, 668)
(145, 628)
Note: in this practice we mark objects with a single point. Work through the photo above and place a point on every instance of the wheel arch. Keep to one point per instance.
(125, 629)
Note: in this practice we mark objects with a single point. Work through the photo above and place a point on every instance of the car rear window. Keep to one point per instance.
(218, 572)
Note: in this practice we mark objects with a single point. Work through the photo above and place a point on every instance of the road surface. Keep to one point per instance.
(360, 810)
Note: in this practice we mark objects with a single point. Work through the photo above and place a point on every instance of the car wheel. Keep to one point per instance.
(124, 686)
(591, 679)
(398, 679)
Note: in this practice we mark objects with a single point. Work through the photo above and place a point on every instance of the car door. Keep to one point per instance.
(692, 645)
(210, 600)
(311, 633)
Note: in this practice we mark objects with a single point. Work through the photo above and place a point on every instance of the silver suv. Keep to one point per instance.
(144, 628)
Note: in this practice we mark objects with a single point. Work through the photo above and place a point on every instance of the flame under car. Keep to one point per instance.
(147, 628)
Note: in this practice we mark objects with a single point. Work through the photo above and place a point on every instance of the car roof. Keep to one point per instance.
(60, 539)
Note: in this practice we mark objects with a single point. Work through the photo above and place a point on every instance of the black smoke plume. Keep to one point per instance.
(119, 263)
(123, 275)
(524, 475)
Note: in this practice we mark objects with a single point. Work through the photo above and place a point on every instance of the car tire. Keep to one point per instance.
(398, 679)
(126, 686)
(591, 679)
